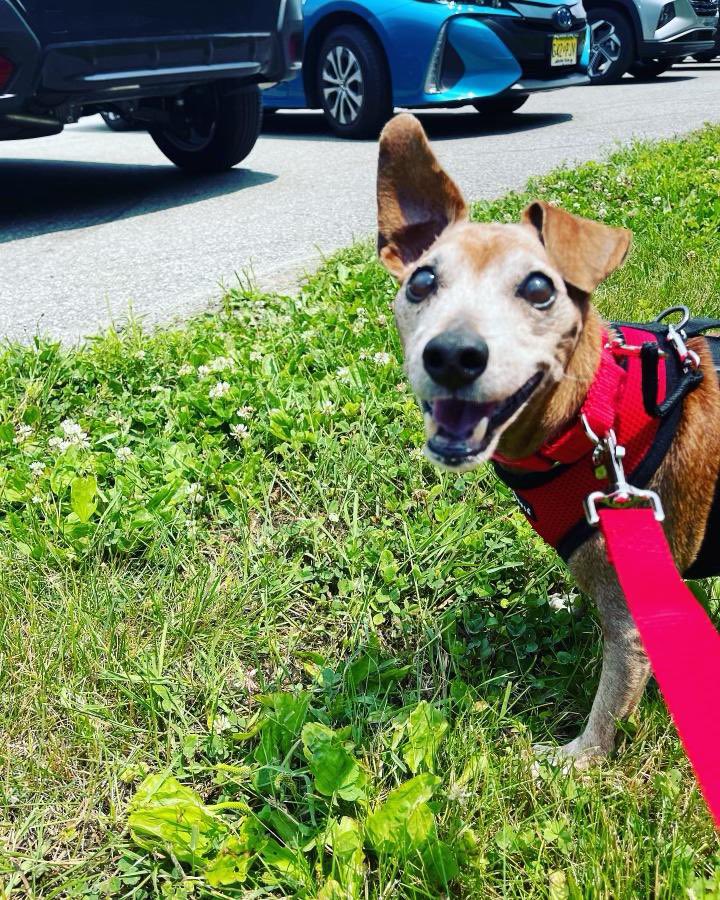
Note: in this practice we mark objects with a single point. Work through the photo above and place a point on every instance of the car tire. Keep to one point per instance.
(647, 69)
(501, 106)
(705, 57)
(353, 83)
(612, 45)
(215, 127)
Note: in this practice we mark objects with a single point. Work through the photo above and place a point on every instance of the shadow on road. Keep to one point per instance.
(311, 126)
(42, 196)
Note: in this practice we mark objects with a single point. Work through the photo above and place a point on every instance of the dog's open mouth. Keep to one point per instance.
(466, 429)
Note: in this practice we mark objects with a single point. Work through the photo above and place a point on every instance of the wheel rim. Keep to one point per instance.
(343, 87)
(605, 48)
(193, 123)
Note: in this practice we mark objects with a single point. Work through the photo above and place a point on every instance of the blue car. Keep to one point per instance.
(362, 59)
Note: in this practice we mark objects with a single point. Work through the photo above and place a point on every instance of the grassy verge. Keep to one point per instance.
(222, 560)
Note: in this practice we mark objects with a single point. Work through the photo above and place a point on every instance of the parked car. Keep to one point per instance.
(362, 59)
(189, 72)
(647, 37)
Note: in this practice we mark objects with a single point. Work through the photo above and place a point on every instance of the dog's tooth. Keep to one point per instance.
(481, 428)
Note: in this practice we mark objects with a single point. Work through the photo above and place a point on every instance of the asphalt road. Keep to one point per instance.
(93, 223)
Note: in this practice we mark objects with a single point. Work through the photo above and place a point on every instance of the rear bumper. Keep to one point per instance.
(87, 72)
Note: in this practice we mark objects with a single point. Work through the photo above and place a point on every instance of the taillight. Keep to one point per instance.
(295, 47)
(6, 70)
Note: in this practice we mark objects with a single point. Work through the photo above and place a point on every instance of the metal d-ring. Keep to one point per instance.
(678, 326)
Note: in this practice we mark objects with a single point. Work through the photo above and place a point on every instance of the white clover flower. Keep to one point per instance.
(186, 369)
(656, 201)
(327, 405)
(219, 390)
(255, 356)
(74, 436)
(382, 319)
(156, 388)
(361, 311)
(602, 212)
(239, 431)
(22, 433)
(245, 412)
(343, 372)
(194, 494)
(382, 359)
(401, 387)
(37, 468)
(37, 499)
(141, 354)
(124, 453)
(219, 364)
(364, 354)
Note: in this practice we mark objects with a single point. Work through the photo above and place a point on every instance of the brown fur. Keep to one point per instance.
(422, 220)
(412, 218)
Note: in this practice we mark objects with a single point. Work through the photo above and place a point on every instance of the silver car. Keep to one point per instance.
(645, 37)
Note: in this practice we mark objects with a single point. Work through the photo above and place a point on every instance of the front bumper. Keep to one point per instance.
(483, 56)
(698, 41)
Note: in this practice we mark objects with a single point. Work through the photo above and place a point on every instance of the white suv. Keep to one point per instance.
(645, 37)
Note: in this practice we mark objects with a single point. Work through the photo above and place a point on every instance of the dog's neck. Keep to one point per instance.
(550, 412)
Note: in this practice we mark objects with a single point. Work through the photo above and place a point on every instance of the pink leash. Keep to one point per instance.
(680, 640)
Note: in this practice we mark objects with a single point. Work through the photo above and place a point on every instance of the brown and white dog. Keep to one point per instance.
(499, 317)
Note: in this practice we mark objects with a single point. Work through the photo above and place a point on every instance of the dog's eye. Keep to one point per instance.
(538, 289)
(421, 284)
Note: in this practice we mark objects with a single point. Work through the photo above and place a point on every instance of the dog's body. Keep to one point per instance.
(501, 345)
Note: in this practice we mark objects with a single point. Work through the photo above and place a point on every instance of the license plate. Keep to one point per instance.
(564, 50)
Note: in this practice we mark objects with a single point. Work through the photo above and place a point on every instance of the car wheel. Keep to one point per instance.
(116, 121)
(353, 84)
(647, 69)
(611, 45)
(499, 106)
(211, 127)
(705, 57)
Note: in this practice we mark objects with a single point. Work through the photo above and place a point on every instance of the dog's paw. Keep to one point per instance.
(579, 754)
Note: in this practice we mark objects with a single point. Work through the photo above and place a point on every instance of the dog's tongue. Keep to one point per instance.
(459, 418)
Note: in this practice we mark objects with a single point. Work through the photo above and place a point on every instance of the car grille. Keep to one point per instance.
(705, 7)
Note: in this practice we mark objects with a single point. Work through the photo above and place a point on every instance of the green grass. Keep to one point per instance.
(160, 604)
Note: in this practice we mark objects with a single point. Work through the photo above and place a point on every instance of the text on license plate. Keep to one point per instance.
(564, 50)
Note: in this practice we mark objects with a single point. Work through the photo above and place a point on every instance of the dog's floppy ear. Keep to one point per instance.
(585, 252)
(417, 200)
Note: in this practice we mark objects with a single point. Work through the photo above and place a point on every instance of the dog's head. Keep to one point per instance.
(489, 315)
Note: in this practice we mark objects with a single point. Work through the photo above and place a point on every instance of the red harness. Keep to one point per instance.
(635, 403)
(552, 484)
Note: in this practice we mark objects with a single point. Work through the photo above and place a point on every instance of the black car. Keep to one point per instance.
(189, 71)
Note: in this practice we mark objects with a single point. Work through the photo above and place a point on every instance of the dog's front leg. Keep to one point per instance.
(625, 668)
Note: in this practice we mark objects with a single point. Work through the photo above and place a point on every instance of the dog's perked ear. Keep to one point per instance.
(584, 252)
(417, 199)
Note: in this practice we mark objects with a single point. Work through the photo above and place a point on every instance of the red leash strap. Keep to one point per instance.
(680, 640)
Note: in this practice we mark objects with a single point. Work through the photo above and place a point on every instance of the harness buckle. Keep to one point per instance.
(621, 494)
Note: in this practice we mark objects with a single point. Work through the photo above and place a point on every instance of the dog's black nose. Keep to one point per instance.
(455, 358)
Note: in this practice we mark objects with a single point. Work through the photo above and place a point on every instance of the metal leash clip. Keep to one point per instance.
(621, 495)
(676, 336)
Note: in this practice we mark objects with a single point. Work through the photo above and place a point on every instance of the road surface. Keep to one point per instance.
(93, 223)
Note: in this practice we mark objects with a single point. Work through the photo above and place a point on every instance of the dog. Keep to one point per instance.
(502, 343)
